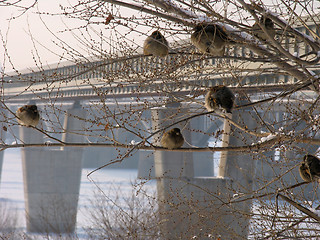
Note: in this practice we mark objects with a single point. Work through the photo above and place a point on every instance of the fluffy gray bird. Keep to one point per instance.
(210, 38)
(172, 139)
(310, 168)
(28, 115)
(219, 97)
(156, 44)
(269, 25)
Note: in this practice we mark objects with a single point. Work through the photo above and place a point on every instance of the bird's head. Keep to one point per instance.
(177, 131)
(33, 108)
(267, 22)
(156, 34)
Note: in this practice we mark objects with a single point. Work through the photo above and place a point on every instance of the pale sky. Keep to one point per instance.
(25, 53)
(16, 33)
(24, 36)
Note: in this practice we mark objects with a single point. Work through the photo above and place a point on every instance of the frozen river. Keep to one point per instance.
(11, 188)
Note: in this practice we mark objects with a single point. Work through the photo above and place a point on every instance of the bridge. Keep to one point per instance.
(71, 82)
(168, 84)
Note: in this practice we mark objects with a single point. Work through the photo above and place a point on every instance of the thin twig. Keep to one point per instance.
(301, 208)
(288, 227)
(150, 11)
(268, 194)
(53, 138)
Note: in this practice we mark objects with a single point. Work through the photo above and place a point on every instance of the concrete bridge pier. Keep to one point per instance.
(240, 168)
(173, 171)
(52, 178)
(199, 207)
(202, 167)
(188, 206)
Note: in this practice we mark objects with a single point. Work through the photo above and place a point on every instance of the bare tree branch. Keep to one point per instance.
(301, 208)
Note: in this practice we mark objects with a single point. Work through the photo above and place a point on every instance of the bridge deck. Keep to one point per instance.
(141, 77)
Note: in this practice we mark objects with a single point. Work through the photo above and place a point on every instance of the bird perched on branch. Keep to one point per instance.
(219, 97)
(310, 168)
(172, 139)
(28, 115)
(268, 24)
(156, 44)
(210, 38)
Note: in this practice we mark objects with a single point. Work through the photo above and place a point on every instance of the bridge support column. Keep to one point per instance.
(173, 171)
(189, 206)
(52, 179)
(240, 168)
